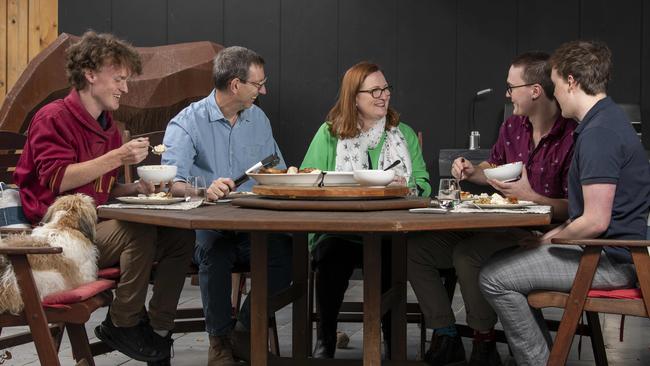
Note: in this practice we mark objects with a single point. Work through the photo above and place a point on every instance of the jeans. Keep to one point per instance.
(216, 253)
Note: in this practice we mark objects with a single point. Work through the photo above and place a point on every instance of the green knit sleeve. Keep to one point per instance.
(417, 160)
(321, 153)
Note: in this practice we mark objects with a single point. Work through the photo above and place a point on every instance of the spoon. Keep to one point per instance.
(394, 164)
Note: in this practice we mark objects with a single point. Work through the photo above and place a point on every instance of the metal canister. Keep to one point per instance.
(474, 140)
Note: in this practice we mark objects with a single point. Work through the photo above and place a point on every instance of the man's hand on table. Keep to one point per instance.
(220, 188)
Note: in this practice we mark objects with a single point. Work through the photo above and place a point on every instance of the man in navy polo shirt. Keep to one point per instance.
(609, 191)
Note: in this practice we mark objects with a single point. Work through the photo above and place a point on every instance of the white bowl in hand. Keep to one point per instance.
(157, 173)
(504, 173)
(374, 177)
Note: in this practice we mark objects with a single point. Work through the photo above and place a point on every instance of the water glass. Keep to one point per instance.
(409, 180)
(195, 189)
(449, 193)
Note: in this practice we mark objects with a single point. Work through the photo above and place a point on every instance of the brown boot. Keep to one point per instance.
(220, 352)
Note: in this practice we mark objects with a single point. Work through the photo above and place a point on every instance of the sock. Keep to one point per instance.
(449, 331)
(162, 333)
(484, 335)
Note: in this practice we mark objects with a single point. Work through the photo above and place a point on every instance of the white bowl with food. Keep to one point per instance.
(504, 173)
(157, 173)
(374, 177)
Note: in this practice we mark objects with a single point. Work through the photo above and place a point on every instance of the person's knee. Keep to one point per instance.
(465, 259)
(490, 278)
(212, 248)
(142, 237)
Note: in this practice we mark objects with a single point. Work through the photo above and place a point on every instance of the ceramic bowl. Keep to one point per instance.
(374, 177)
(157, 173)
(504, 173)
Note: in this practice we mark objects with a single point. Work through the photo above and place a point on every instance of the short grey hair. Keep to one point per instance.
(233, 62)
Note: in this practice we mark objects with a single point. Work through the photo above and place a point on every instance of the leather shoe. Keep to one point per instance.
(445, 350)
(484, 354)
(324, 349)
(137, 342)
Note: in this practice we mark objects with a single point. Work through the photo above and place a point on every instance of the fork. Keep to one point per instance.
(322, 179)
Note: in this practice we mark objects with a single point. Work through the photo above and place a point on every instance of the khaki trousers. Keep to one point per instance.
(466, 252)
(135, 247)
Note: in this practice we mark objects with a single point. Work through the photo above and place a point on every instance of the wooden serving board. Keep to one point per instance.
(330, 193)
(332, 205)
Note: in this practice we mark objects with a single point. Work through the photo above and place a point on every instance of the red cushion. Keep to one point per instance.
(78, 294)
(628, 293)
(110, 273)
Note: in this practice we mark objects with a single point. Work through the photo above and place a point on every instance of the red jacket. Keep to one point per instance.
(62, 133)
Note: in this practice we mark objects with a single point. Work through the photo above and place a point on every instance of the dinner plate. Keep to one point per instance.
(150, 200)
(505, 205)
(304, 179)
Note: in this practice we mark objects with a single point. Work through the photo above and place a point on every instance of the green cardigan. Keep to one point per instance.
(322, 155)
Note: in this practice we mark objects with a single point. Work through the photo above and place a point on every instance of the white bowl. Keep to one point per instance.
(157, 173)
(374, 177)
(504, 173)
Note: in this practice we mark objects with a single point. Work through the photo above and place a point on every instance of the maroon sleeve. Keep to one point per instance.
(52, 151)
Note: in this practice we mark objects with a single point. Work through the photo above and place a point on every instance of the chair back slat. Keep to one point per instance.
(11, 147)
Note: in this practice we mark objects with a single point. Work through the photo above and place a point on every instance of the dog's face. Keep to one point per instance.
(75, 211)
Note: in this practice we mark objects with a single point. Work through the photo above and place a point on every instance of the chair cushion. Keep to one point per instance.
(109, 273)
(628, 293)
(81, 293)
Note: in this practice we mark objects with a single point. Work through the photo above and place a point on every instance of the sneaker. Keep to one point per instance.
(485, 354)
(169, 342)
(445, 350)
(137, 342)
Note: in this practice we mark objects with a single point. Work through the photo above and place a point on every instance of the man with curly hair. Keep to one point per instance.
(74, 146)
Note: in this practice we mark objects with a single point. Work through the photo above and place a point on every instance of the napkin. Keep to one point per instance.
(536, 209)
(181, 206)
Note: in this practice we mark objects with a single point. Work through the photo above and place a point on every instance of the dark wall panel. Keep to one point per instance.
(426, 70)
(76, 16)
(202, 21)
(620, 27)
(142, 22)
(256, 25)
(541, 26)
(645, 72)
(309, 77)
(486, 44)
(368, 31)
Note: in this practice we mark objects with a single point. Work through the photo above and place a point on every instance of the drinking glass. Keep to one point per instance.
(448, 193)
(195, 189)
(409, 180)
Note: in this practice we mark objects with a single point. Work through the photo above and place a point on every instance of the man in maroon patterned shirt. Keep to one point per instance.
(537, 135)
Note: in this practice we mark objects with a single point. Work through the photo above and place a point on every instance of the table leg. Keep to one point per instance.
(301, 332)
(371, 300)
(398, 284)
(259, 299)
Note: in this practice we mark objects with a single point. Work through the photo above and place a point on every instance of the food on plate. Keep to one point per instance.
(290, 170)
(158, 195)
(465, 195)
(495, 199)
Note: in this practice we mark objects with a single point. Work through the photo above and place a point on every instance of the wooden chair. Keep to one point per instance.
(634, 302)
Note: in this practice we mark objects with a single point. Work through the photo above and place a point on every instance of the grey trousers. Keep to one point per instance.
(466, 252)
(508, 277)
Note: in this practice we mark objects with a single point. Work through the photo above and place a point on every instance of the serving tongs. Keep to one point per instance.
(268, 162)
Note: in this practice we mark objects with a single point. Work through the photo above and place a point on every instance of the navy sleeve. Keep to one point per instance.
(601, 156)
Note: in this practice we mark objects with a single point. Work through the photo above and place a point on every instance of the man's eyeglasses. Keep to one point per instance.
(510, 87)
(259, 85)
(376, 92)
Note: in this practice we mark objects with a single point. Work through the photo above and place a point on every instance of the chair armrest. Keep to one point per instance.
(602, 242)
(30, 250)
(14, 230)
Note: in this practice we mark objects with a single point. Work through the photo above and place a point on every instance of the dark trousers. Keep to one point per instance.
(334, 260)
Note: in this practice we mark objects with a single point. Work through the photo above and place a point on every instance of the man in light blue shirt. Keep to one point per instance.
(218, 138)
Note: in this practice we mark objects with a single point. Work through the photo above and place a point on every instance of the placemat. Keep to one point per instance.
(182, 206)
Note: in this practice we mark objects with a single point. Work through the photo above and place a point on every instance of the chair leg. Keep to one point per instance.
(423, 336)
(57, 335)
(597, 343)
(274, 341)
(79, 342)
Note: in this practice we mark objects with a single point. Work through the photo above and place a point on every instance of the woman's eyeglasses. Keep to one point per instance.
(377, 92)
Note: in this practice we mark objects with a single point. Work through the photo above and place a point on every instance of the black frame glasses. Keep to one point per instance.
(377, 92)
(259, 86)
(510, 87)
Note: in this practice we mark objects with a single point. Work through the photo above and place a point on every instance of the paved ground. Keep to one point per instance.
(191, 348)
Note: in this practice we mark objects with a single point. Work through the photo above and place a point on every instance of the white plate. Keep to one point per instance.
(304, 179)
(150, 200)
(506, 205)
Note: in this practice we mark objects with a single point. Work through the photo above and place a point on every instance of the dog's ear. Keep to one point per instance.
(74, 211)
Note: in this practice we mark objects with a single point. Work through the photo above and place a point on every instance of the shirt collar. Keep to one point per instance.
(215, 114)
(601, 104)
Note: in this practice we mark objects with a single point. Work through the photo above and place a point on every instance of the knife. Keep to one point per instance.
(268, 162)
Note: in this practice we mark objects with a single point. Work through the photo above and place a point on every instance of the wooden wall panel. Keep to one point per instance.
(3, 50)
(43, 25)
(17, 40)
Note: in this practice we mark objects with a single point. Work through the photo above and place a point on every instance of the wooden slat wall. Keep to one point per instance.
(26, 27)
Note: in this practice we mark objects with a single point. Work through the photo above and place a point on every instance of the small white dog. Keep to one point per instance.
(70, 224)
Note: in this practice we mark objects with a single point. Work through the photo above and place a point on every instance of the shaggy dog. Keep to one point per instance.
(70, 224)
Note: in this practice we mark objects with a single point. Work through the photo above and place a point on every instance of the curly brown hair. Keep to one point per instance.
(343, 117)
(93, 51)
(589, 62)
